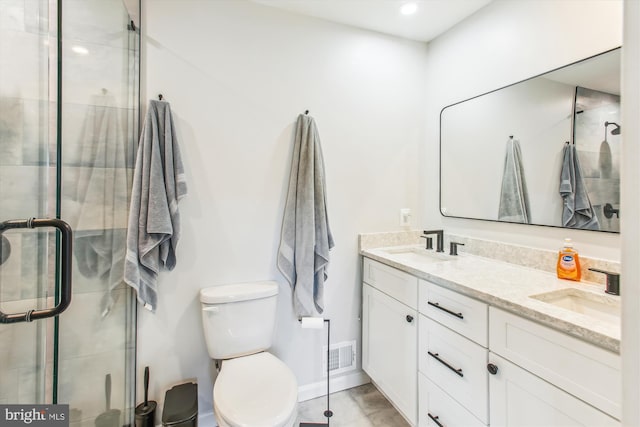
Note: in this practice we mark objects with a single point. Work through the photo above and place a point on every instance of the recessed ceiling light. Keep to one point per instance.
(409, 8)
(80, 50)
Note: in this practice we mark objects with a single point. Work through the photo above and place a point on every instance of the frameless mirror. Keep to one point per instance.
(543, 151)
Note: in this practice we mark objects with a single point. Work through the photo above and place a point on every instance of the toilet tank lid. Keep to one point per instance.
(238, 292)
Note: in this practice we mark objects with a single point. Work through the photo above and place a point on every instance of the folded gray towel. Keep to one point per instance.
(577, 211)
(154, 221)
(303, 256)
(514, 200)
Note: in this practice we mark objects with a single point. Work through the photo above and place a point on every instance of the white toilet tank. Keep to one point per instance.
(239, 318)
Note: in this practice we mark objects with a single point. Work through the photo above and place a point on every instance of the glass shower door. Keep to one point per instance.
(99, 135)
(66, 150)
(27, 189)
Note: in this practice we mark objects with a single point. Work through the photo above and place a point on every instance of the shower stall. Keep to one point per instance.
(69, 121)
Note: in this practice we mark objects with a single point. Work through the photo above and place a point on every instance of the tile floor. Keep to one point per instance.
(362, 406)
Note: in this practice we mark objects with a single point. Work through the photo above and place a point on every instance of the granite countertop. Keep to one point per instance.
(506, 286)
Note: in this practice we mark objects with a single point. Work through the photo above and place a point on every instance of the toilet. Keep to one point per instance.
(253, 388)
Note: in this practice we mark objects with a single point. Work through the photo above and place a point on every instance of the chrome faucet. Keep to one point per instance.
(440, 236)
(613, 281)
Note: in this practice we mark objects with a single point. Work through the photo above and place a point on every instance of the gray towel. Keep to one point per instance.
(303, 256)
(577, 211)
(154, 221)
(100, 194)
(514, 200)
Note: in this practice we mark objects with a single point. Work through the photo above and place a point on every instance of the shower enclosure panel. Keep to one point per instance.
(69, 157)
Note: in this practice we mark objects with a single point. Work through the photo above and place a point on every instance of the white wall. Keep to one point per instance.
(503, 43)
(630, 199)
(237, 75)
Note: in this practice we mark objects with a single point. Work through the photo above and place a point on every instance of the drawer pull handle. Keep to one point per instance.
(435, 356)
(437, 305)
(409, 318)
(493, 369)
(435, 420)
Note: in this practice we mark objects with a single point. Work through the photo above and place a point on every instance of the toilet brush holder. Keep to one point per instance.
(146, 412)
(313, 322)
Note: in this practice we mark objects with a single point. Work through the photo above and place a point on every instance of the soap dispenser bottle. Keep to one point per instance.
(568, 262)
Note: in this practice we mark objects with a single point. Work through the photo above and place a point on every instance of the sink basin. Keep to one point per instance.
(600, 306)
(417, 255)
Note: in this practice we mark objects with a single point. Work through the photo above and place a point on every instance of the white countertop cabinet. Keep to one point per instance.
(436, 368)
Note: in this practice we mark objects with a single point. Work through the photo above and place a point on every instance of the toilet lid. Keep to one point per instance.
(255, 390)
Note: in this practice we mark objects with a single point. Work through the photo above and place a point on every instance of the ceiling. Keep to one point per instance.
(432, 18)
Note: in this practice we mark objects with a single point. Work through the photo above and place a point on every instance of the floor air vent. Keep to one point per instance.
(342, 358)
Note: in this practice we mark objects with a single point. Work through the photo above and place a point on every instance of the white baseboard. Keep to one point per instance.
(311, 391)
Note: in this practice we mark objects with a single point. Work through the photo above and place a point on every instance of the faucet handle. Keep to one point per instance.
(613, 281)
(429, 242)
(453, 247)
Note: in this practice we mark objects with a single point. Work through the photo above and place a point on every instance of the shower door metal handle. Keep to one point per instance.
(65, 271)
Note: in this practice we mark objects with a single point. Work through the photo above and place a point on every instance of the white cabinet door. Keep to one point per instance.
(389, 349)
(519, 398)
(581, 369)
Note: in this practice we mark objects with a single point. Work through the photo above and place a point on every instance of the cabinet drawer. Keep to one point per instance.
(458, 366)
(464, 315)
(395, 283)
(519, 398)
(582, 369)
(435, 403)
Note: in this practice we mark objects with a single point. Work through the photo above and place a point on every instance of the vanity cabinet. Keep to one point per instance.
(445, 359)
(390, 334)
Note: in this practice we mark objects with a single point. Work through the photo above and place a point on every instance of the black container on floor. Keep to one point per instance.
(181, 406)
(146, 412)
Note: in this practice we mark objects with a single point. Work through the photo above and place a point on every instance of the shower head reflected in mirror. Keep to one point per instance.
(615, 131)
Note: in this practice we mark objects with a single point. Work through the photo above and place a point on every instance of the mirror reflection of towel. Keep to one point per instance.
(577, 211)
(514, 200)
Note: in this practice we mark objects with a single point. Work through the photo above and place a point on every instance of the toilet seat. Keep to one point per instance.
(255, 391)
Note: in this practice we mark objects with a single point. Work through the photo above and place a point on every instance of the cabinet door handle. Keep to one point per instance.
(409, 318)
(493, 369)
(435, 420)
(453, 313)
(436, 356)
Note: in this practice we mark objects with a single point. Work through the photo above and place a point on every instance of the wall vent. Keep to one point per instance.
(342, 358)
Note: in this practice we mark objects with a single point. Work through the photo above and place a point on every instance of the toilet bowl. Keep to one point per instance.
(253, 388)
(257, 390)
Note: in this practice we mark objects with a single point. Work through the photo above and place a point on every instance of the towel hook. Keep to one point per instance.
(160, 97)
(306, 112)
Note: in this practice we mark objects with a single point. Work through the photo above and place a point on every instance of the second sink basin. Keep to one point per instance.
(602, 307)
(417, 255)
